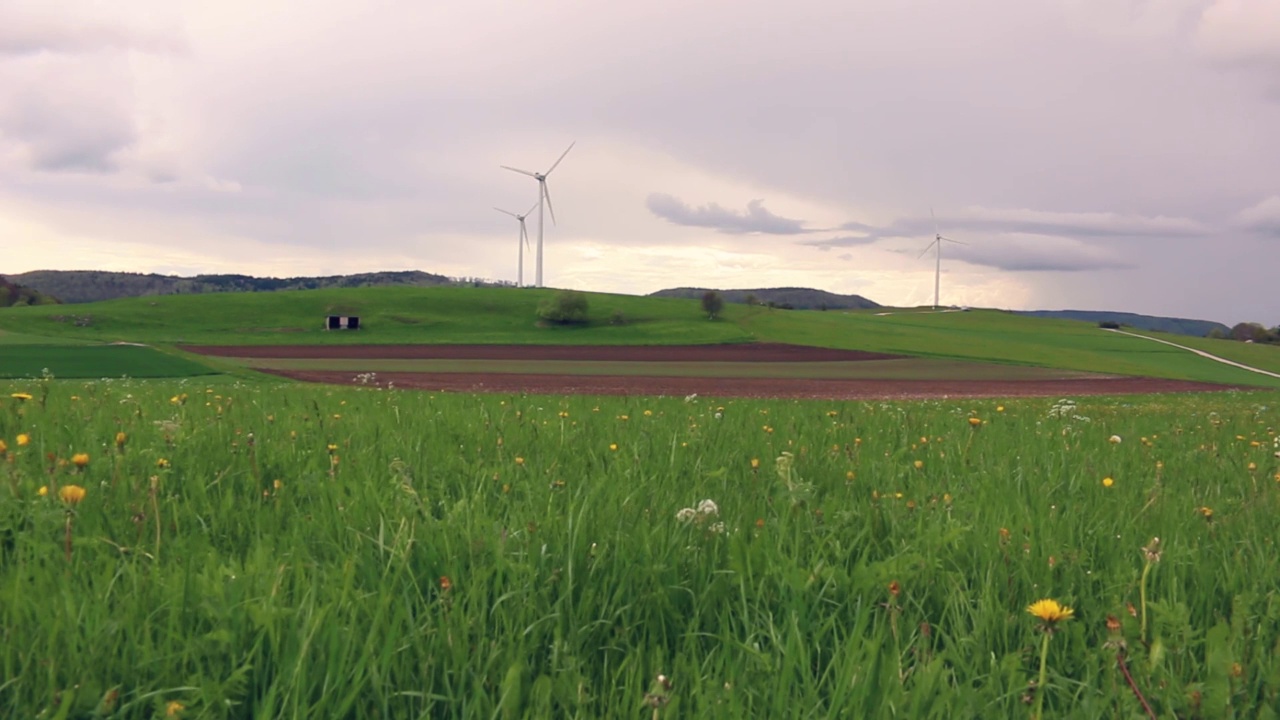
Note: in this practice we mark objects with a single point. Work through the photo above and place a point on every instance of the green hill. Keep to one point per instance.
(81, 286)
(404, 315)
(1177, 326)
(790, 298)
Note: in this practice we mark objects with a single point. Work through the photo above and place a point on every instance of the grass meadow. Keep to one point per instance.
(233, 550)
(394, 315)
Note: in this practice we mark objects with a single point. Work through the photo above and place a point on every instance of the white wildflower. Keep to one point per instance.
(686, 515)
(708, 507)
(1114, 440)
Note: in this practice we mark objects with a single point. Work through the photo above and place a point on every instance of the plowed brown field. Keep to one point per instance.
(679, 386)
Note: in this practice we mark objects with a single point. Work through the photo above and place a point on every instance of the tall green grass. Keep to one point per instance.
(305, 552)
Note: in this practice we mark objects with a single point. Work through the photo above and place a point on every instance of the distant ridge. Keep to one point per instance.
(1177, 326)
(788, 297)
(81, 286)
(14, 294)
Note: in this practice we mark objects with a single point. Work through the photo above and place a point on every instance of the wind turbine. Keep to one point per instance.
(937, 241)
(522, 243)
(542, 195)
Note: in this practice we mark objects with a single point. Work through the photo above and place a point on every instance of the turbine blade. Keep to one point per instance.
(524, 234)
(506, 212)
(566, 152)
(958, 242)
(547, 194)
(927, 248)
(532, 207)
(936, 232)
(518, 170)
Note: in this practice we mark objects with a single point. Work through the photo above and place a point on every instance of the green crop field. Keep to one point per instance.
(904, 369)
(94, 361)
(171, 548)
(489, 315)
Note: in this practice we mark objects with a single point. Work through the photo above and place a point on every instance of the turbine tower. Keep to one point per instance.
(522, 243)
(937, 243)
(543, 195)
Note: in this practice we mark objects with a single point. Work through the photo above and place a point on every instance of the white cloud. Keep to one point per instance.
(1241, 32)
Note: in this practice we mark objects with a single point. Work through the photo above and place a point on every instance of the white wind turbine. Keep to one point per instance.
(522, 243)
(543, 195)
(937, 241)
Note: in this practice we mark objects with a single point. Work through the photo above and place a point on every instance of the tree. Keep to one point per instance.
(712, 304)
(1249, 331)
(566, 307)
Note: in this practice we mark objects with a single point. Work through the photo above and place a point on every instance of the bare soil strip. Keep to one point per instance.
(743, 352)
(1007, 385)
(760, 387)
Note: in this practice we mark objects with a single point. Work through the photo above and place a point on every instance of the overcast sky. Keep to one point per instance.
(1092, 154)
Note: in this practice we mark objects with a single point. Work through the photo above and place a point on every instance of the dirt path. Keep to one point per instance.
(1201, 353)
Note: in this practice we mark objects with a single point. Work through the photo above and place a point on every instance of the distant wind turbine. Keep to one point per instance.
(937, 242)
(522, 243)
(543, 195)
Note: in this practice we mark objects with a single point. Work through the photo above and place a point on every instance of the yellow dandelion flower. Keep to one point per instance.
(613, 446)
(519, 460)
(162, 463)
(71, 494)
(44, 490)
(999, 408)
(332, 448)
(1253, 466)
(1206, 511)
(173, 708)
(23, 439)
(918, 464)
(21, 396)
(975, 422)
(1050, 611)
(3, 447)
(121, 438)
(755, 463)
(648, 413)
(80, 460)
(277, 484)
(1108, 482)
(849, 475)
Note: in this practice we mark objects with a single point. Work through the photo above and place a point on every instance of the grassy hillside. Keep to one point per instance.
(388, 315)
(82, 286)
(1177, 326)
(508, 315)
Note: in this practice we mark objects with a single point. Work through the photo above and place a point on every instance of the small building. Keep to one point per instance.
(342, 322)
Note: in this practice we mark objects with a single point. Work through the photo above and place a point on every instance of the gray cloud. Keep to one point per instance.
(1037, 254)
(80, 26)
(1037, 222)
(386, 125)
(756, 219)
(1262, 218)
(81, 127)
